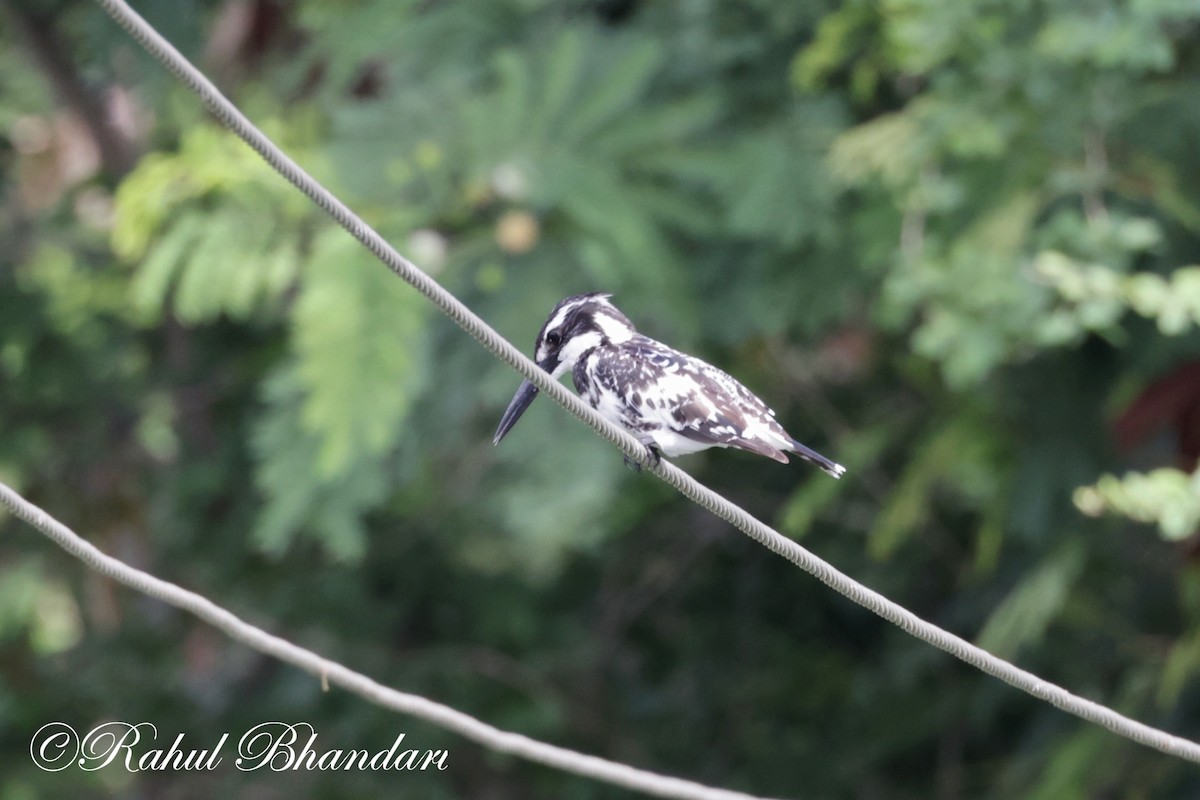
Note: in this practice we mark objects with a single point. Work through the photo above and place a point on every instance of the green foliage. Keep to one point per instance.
(210, 227)
(1168, 497)
(549, 518)
(1023, 616)
(215, 232)
(299, 495)
(1182, 665)
(40, 611)
(338, 408)
(918, 229)
(980, 170)
(359, 371)
(960, 460)
(77, 298)
(803, 509)
(1097, 297)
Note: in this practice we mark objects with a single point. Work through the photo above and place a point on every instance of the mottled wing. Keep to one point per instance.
(692, 398)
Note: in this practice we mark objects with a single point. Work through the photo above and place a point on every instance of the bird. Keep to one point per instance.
(673, 403)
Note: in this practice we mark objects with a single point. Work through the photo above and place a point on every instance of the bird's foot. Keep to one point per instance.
(653, 458)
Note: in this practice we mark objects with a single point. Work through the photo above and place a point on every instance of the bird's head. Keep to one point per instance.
(575, 326)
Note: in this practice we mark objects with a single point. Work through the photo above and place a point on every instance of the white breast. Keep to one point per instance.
(673, 444)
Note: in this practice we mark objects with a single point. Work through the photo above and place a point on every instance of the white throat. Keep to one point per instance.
(574, 348)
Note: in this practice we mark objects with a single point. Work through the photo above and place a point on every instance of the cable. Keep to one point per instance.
(463, 724)
(232, 118)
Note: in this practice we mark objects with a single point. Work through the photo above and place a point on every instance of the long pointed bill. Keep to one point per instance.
(516, 408)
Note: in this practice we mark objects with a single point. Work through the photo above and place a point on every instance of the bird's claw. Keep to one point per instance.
(653, 458)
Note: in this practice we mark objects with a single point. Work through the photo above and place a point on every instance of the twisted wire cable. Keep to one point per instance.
(651, 783)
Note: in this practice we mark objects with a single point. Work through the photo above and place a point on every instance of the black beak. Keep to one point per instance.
(516, 408)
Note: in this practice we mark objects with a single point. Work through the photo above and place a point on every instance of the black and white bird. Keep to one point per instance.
(672, 402)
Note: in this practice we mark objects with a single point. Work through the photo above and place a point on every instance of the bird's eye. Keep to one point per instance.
(553, 338)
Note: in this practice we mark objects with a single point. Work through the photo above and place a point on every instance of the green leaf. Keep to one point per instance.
(1168, 497)
(1075, 768)
(957, 456)
(858, 451)
(1034, 603)
(360, 353)
(628, 73)
(212, 223)
(297, 498)
(1179, 670)
(157, 273)
(561, 78)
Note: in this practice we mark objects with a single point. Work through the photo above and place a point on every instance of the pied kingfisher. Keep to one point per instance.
(673, 403)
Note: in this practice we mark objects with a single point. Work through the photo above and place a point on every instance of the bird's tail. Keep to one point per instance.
(808, 454)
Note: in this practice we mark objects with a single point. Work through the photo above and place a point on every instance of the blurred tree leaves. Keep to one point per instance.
(337, 409)
(918, 229)
(42, 610)
(1025, 613)
(1096, 297)
(1168, 497)
(961, 460)
(359, 371)
(211, 228)
(215, 232)
(298, 495)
